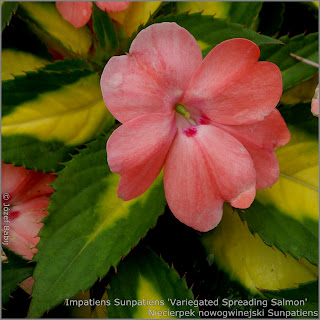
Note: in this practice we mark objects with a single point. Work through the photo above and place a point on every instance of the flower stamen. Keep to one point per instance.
(183, 111)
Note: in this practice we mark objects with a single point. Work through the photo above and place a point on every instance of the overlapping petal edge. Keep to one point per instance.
(78, 13)
(225, 153)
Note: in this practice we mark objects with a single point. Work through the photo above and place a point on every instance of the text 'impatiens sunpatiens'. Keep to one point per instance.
(211, 123)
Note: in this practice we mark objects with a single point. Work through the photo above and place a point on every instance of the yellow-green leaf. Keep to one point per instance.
(286, 214)
(296, 191)
(48, 23)
(239, 12)
(138, 13)
(17, 62)
(219, 9)
(143, 276)
(247, 259)
(88, 228)
(303, 92)
(72, 113)
(85, 310)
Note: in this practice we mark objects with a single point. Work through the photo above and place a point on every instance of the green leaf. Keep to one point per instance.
(88, 228)
(65, 111)
(7, 10)
(210, 31)
(245, 13)
(276, 227)
(13, 273)
(308, 293)
(143, 276)
(138, 13)
(16, 62)
(68, 65)
(104, 30)
(251, 262)
(21, 89)
(293, 71)
(60, 35)
(286, 215)
(302, 93)
(21, 150)
(300, 117)
(17, 35)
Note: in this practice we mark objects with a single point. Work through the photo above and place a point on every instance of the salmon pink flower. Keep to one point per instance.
(24, 201)
(315, 103)
(211, 123)
(78, 13)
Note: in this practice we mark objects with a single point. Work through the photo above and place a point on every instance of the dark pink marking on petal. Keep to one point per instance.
(190, 132)
(204, 120)
(14, 214)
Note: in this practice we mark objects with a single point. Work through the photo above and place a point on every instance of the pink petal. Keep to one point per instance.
(112, 6)
(12, 177)
(137, 151)
(77, 13)
(23, 185)
(20, 245)
(29, 192)
(261, 139)
(266, 165)
(315, 103)
(25, 224)
(26, 218)
(153, 77)
(231, 87)
(27, 285)
(204, 167)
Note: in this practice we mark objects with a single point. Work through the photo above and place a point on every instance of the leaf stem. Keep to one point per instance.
(311, 63)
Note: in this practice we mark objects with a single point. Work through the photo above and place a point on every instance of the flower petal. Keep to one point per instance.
(23, 185)
(202, 170)
(231, 87)
(315, 103)
(29, 192)
(260, 139)
(137, 150)
(78, 13)
(266, 165)
(26, 218)
(26, 247)
(27, 285)
(25, 224)
(12, 177)
(153, 77)
(112, 6)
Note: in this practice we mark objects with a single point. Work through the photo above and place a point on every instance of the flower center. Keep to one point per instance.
(179, 108)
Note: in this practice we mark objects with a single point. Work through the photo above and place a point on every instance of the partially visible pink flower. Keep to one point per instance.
(25, 197)
(79, 13)
(315, 103)
(211, 123)
(28, 197)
